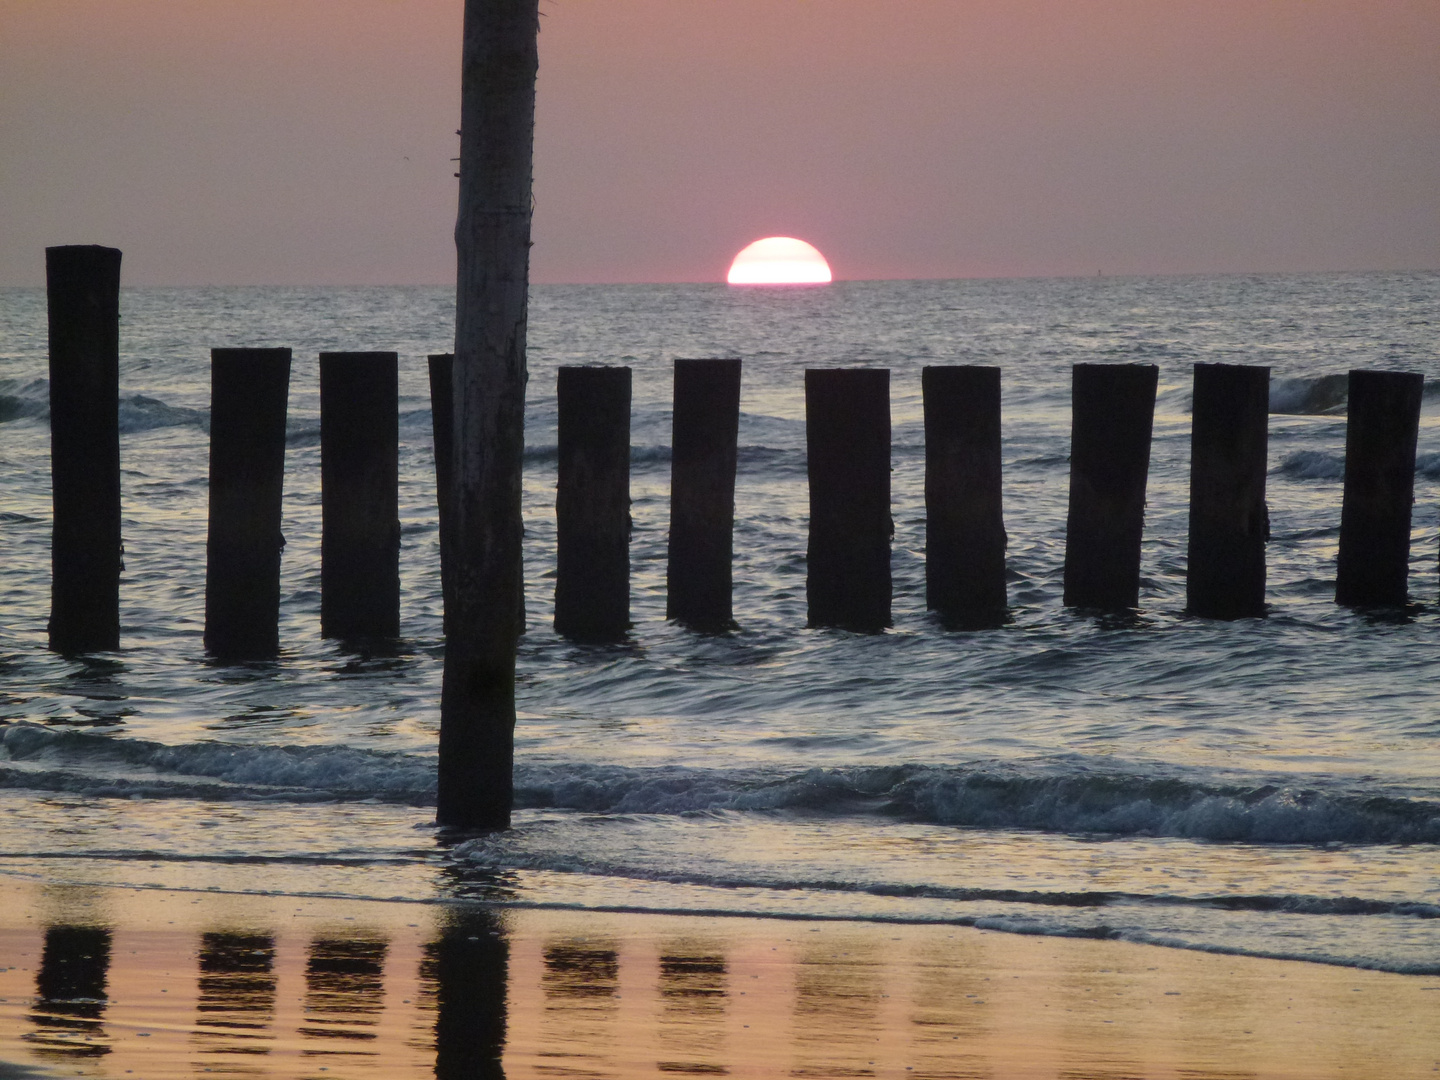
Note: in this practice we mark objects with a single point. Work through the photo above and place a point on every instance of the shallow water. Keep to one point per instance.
(1267, 786)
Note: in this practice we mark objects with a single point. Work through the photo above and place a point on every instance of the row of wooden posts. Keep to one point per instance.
(848, 454)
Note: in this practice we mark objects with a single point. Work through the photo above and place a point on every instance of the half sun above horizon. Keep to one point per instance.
(779, 260)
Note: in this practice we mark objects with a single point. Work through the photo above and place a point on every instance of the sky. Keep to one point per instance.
(309, 141)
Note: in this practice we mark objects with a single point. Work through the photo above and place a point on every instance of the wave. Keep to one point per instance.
(1321, 465)
(981, 797)
(1310, 396)
(86, 763)
(137, 412)
(992, 798)
(141, 413)
(494, 853)
(1313, 465)
(19, 400)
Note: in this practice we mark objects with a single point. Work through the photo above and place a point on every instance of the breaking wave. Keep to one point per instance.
(1310, 395)
(1313, 465)
(981, 796)
(137, 412)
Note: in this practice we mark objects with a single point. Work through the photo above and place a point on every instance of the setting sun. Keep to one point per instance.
(779, 260)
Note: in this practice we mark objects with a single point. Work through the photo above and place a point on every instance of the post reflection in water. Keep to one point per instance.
(693, 998)
(70, 993)
(837, 1010)
(463, 978)
(236, 1005)
(581, 984)
(344, 992)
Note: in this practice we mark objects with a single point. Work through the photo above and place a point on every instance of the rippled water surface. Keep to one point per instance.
(1267, 786)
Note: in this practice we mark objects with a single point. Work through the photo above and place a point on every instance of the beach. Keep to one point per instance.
(270, 986)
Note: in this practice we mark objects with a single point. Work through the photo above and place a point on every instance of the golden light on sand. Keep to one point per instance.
(779, 260)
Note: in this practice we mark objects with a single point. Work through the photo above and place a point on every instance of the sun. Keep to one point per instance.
(779, 260)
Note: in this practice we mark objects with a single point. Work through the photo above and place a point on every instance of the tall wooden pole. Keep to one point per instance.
(492, 241)
(83, 292)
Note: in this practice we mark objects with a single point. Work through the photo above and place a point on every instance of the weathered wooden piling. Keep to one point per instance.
(499, 59)
(847, 443)
(1229, 522)
(83, 294)
(964, 519)
(706, 425)
(592, 504)
(248, 393)
(359, 496)
(442, 428)
(1383, 422)
(1112, 412)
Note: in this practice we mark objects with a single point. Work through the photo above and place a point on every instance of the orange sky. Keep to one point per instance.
(307, 141)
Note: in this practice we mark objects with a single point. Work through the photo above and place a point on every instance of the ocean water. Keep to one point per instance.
(1266, 787)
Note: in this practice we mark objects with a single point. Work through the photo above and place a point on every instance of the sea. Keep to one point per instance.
(1266, 787)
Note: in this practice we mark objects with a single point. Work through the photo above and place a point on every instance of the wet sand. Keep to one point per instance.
(118, 982)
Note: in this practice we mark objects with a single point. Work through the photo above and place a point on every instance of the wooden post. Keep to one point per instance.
(1229, 522)
(83, 294)
(1113, 409)
(248, 394)
(964, 519)
(1383, 421)
(706, 425)
(592, 504)
(442, 428)
(359, 496)
(492, 243)
(847, 443)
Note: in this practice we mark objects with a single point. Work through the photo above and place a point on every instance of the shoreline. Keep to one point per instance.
(189, 982)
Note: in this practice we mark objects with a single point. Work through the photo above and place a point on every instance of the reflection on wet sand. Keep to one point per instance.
(948, 1016)
(581, 982)
(70, 995)
(344, 992)
(236, 993)
(463, 975)
(693, 993)
(837, 1007)
(469, 993)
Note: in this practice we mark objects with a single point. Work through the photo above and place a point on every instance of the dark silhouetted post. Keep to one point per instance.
(847, 443)
(359, 496)
(592, 504)
(706, 425)
(964, 520)
(1112, 411)
(442, 427)
(492, 245)
(248, 393)
(1382, 424)
(1229, 523)
(83, 292)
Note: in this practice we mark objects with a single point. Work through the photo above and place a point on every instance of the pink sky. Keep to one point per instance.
(307, 141)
